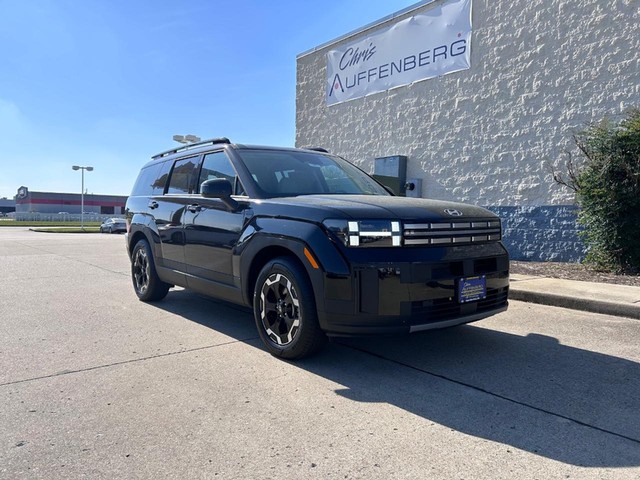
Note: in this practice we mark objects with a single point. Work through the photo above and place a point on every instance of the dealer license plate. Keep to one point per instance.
(472, 289)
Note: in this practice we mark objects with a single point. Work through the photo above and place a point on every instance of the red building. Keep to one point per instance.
(71, 203)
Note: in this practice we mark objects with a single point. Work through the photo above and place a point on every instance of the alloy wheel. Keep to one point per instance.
(280, 309)
(141, 270)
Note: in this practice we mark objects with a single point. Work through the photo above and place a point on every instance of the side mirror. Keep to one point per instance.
(219, 188)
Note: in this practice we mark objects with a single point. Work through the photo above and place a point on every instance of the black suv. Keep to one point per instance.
(316, 246)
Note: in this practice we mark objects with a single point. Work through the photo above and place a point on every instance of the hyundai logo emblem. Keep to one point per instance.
(453, 213)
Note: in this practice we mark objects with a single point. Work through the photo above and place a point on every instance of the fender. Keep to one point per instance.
(145, 224)
(263, 234)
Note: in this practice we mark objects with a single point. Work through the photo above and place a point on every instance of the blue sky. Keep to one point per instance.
(107, 83)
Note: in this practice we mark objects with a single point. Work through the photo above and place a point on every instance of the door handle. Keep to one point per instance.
(153, 204)
(195, 208)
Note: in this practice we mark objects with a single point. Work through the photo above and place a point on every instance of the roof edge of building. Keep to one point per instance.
(371, 25)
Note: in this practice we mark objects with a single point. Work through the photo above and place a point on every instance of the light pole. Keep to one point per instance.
(88, 169)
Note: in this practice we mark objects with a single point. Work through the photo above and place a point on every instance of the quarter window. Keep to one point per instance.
(145, 181)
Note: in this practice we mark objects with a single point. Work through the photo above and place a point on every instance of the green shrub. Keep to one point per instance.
(607, 186)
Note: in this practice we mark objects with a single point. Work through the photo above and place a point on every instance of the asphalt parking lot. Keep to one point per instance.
(96, 384)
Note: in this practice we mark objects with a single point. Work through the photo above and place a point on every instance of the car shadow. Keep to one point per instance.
(529, 392)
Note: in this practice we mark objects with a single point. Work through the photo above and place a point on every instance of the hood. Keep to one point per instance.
(376, 207)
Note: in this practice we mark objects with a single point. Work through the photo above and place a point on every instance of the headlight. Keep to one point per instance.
(366, 233)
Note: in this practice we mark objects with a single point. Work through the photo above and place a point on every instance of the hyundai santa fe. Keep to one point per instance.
(315, 246)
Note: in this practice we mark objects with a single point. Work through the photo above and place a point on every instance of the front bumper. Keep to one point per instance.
(403, 297)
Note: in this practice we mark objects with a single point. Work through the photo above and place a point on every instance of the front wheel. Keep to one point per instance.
(285, 311)
(146, 283)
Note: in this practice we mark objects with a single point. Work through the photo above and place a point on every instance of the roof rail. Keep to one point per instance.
(316, 149)
(211, 141)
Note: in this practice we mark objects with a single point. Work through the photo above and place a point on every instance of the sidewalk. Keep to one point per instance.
(609, 299)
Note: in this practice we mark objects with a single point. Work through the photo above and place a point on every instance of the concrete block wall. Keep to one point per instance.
(491, 135)
(541, 233)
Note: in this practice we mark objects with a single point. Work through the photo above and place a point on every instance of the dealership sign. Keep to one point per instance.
(23, 192)
(426, 45)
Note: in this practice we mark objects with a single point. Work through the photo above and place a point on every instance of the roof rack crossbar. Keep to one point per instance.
(211, 141)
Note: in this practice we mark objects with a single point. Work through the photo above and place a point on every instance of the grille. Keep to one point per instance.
(451, 233)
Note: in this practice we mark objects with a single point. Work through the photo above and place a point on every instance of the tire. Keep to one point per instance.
(146, 283)
(285, 312)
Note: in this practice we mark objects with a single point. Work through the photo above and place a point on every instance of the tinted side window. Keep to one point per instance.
(146, 179)
(163, 176)
(182, 175)
(218, 165)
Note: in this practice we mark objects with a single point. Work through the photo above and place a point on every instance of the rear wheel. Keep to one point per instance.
(146, 283)
(285, 311)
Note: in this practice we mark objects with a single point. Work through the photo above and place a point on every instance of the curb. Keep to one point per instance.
(586, 305)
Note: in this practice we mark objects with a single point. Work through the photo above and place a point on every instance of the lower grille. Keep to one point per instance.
(432, 311)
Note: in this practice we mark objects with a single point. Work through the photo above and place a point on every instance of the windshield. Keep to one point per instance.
(282, 173)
